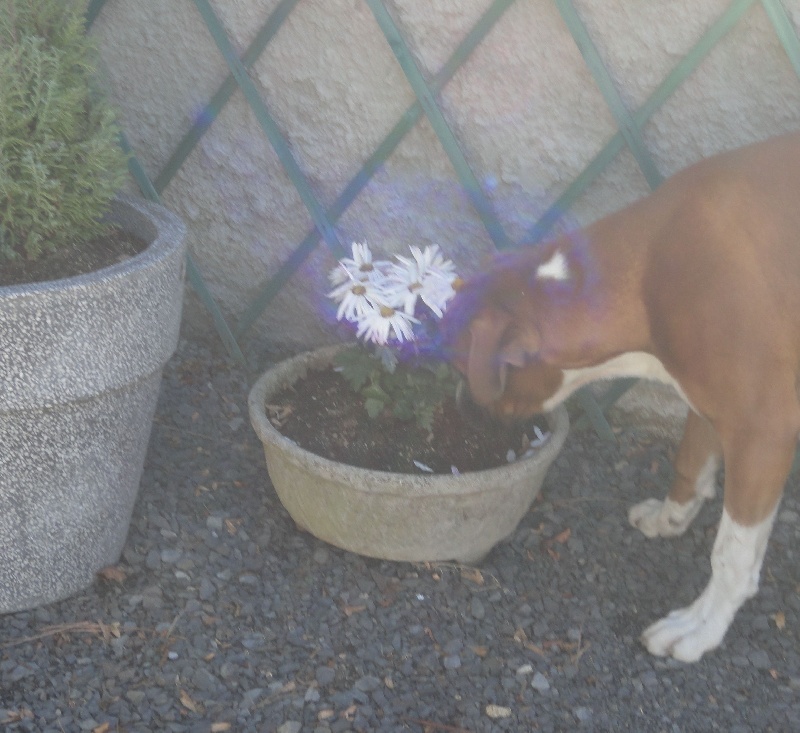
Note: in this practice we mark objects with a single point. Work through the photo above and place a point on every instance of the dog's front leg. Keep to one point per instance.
(757, 464)
(696, 464)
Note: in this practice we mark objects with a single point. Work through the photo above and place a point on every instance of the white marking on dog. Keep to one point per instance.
(556, 268)
(668, 518)
(706, 484)
(632, 364)
(736, 559)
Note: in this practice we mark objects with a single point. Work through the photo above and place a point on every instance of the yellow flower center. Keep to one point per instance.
(386, 311)
(358, 290)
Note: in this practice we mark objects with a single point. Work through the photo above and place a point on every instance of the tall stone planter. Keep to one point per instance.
(80, 369)
(395, 516)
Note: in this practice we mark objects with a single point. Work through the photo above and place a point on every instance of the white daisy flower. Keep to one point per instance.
(358, 267)
(428, 276)
(356, 298)
(379, 297)
(378, 323)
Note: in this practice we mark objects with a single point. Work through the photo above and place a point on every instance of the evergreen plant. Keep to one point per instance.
(60, 158)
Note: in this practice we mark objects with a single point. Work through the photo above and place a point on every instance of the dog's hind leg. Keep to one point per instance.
(696, 465)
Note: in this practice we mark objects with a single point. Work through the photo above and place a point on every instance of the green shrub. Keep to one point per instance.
(60, 160)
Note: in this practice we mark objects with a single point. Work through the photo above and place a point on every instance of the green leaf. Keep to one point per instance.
(407, 391)
(425, 416)
(374, 392)
(373, 407)
(403, 409)
(357, 366)
(387, 358)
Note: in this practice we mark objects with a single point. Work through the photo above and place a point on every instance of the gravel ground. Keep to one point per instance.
(221, 616)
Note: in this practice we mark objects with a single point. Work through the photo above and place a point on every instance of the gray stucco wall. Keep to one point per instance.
(524, 107)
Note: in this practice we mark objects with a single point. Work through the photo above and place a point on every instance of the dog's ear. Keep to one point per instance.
(485, 374)
(489, 358)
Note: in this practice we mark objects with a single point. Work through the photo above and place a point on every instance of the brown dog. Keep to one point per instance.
(697, 285)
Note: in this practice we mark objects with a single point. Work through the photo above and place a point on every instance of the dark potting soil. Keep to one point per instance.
(78, 259)
(322, 414)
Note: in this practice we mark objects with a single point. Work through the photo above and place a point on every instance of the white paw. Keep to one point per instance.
(688, 633)
(736, 560)
(655, 518)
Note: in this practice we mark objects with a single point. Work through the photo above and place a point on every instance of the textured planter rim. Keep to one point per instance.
(159, 215)
(81, 370)
(447, 517)
(38, 376)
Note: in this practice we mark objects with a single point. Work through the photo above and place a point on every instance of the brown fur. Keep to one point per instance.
(704, 274)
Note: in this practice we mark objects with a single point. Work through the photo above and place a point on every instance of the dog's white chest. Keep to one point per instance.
(633, 364)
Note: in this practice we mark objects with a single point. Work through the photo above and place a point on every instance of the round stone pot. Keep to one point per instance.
(80, 370)
(394, 516)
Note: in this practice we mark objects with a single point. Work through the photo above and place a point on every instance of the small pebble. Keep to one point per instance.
(153, 560)
(170, 556)
(251, 696)
(207, 589)
(368, 683)
(325, 675)
(540, 682)
(135, 696)
(477, 609)
(215, 524)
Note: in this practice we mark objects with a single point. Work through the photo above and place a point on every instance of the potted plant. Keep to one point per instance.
(90, 304)
(410, 512)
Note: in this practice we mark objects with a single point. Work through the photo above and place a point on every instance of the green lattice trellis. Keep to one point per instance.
(630, 125)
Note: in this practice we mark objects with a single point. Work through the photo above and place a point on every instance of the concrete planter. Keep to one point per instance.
(80, 369)
(389, 515)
